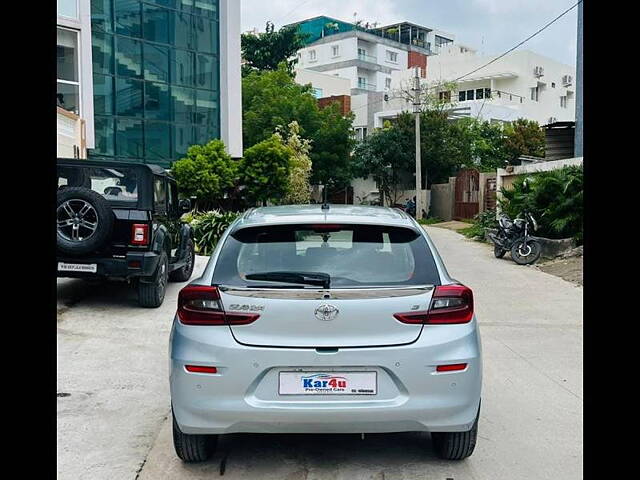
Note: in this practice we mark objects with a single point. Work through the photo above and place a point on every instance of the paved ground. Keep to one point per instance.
(112, 377)
(530, 425)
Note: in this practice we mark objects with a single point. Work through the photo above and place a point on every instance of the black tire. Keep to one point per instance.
(527, 256)
(183, 273)
(100, 214)
(193, 448)
(456, 445)
(151, 292)
(498, 251)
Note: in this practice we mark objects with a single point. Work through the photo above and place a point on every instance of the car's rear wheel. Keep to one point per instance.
(151, 292)
(456, 445)
(183, 273)
(193, 448)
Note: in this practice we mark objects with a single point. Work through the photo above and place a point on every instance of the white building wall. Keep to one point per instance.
(518, 71)
(329, 84)
(82, 25)
(230, 78)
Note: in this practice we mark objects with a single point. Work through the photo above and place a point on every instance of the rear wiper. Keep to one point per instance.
(307, 278)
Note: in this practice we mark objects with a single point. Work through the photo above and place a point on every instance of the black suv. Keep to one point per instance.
(122, 220)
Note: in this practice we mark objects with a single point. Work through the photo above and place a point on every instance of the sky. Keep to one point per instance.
(490, 26)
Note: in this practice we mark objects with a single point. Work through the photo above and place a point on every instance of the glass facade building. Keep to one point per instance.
(156, 78)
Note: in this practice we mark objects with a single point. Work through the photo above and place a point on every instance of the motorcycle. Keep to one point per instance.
(515, 236)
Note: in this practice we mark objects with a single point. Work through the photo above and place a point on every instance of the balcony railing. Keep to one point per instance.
(367, 58)
(366, 86)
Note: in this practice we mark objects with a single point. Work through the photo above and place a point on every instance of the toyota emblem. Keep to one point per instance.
(326, 312)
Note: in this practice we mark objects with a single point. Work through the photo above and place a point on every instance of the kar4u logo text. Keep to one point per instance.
(321, 380)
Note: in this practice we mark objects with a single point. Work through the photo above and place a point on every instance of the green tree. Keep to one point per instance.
(480, 144)
(524, 137)
(298, 188)
(333, 143)
(265, 171)
(273, 98)
(265, 51)
(207, 172)
(384, 156)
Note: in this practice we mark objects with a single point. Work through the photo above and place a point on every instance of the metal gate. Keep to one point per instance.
(467, 194)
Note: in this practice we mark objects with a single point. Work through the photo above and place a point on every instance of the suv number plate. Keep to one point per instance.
(328, 383)
(77, 267)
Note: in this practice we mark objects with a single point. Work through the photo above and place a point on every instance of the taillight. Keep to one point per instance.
(140, 234)
(201, 305)
(450, 304)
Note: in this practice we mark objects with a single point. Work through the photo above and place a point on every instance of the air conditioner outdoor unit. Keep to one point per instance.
(567, 80)
(538, 71)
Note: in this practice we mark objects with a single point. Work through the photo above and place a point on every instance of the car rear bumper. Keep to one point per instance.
(243, 395)
(134, 264)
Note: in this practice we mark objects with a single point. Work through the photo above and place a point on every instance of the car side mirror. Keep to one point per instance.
(185, 205)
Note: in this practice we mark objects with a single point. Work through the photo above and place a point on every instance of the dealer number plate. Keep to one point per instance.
(328, 383)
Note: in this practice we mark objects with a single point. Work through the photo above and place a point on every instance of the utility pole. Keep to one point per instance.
(416, 109)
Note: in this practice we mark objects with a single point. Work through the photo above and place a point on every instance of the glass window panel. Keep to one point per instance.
(157, 21)
(183, 102)
(102, 15)
(206, 108)
(206, 72)
(104, 136)
(68, 8)
(127, 20)
(206, 134)
(102, 52)
(469, 94)
(102, 94)
(182, 139)
(181, 33)
(156, 104)
(479, 93)
(156, 63)
(186, 5)
(129, 142)
(462, 96)
(206, 7)
(68, 97)
(67, 53)
(129, 97)
(166, 3)
(206, 35)
(128, 57)
(157, 141)
(182, 72)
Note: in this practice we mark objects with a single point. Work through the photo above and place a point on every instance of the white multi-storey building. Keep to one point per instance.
(522, 84)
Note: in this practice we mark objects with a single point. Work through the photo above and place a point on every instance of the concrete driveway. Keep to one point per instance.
(112, 359)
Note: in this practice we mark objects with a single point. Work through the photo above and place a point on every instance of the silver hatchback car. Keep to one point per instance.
(340, 319)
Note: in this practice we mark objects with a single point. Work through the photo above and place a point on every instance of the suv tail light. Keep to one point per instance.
(201, 305)
(140, 234)
(450, 304)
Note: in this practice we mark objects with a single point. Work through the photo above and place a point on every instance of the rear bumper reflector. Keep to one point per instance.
(451, 368)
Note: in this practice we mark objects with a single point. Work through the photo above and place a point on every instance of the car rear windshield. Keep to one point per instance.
(352, 255)
(117, 184)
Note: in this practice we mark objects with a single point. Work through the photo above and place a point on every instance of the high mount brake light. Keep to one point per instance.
(201, 305)
(139, 234)
(450, 304)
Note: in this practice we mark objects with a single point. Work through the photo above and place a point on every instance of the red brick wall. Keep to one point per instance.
(343, 100)
(418, 60)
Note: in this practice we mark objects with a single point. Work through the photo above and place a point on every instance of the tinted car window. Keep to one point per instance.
(353, 255)
(160, 194)
(114, 184)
